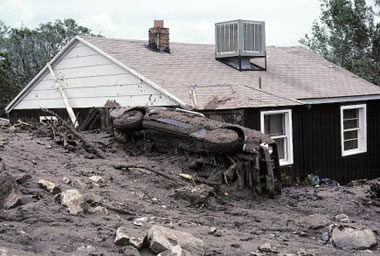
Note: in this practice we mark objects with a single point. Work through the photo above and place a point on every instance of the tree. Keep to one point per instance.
(26, 51)
(348, 36)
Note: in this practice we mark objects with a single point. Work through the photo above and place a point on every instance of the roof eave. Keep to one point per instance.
(342, 99)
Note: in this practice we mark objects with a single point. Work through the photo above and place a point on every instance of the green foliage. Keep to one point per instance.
(26, 51)
(348, 35)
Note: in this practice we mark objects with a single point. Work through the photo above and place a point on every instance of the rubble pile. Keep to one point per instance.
(220, 153)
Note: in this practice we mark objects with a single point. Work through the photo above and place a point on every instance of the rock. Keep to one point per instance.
(213, 230)
(163, 239)
(98, 180)
(49, 186)
(130, 251)
(92, 199)
(122, 237)
(342, 218)
(325, 236)
(73, 200)
(196, 195)
(125, 236)
(66, 180)
(314, 221)
(13, 200)
(100, 210)
(265, 247)
(140, 221)
(349, 237)
(175, 251)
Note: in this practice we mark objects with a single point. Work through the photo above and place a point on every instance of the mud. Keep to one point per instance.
(294, 222)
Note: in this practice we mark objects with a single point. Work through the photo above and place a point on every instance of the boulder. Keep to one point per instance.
(350, 237)
(125, 236)
(74, 201)
(163, 239)
(49, 186)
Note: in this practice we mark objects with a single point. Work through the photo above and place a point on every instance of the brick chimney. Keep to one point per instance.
(159, 37)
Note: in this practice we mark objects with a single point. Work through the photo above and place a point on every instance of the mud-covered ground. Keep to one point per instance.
(295, 222)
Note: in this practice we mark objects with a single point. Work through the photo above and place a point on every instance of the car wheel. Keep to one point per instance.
(129, 120)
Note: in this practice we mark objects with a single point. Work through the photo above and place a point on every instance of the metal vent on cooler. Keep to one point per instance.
(238, 41)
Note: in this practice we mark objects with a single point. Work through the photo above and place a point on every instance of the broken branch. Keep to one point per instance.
(158, 172)
(86, 143)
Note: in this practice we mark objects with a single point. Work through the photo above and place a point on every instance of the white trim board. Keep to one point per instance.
(362, 134)
(288, 132)
(341, 99)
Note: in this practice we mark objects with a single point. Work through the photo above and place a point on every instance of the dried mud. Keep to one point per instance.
(292, 223)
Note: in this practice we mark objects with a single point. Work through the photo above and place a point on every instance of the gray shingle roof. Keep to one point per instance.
(294, 73)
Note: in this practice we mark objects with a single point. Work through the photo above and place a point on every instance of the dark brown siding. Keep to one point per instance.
(317, 142)
(33, 115)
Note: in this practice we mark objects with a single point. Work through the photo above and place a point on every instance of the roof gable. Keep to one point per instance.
(90, 79)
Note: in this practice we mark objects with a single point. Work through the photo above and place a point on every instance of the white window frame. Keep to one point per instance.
(48, 118)
(362, 134)
(288, 133)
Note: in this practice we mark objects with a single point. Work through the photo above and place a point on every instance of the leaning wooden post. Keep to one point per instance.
(63, 95)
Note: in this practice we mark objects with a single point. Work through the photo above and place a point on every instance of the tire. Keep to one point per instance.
(129, 120)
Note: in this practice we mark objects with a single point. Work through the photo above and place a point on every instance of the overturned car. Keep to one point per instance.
(225, 154)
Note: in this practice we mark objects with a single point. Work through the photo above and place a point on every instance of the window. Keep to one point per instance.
(353, 129)
(44, 119)
(278, 125)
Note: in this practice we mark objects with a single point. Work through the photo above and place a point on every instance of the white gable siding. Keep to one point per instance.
(90, 80)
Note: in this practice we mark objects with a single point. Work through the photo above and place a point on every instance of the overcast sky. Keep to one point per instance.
(190, 21)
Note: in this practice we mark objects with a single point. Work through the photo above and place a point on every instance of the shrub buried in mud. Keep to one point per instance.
(249, 158)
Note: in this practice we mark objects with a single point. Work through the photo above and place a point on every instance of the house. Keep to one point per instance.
(325, 119)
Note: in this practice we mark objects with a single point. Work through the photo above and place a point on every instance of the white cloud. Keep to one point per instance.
(189, 21)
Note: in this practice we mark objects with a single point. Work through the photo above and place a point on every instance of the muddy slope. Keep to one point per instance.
(296, 222)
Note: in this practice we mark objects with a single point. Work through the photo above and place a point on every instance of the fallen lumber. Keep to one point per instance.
(158, 172)
(86, 143)
(91, 117)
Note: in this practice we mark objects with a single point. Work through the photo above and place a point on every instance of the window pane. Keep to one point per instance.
(274, 124)
(349, 124)
(281, 144)
(351, 144)
(350, 135)
(350, 113)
